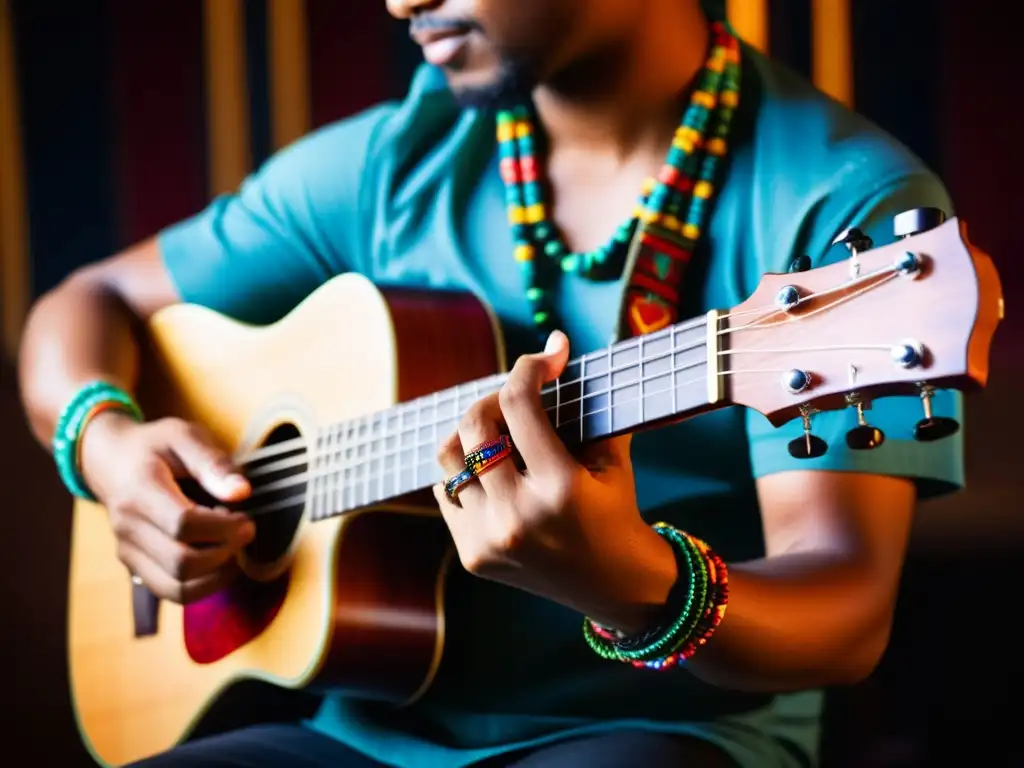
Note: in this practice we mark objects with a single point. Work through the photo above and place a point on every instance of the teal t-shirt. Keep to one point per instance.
(409, 194)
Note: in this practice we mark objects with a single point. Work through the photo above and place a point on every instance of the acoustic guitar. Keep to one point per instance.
(335, 414)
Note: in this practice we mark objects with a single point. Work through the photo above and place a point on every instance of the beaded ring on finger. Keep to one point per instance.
(482, 458)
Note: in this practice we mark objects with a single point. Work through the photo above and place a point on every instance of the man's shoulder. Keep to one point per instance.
(807, 167)
(819, 144)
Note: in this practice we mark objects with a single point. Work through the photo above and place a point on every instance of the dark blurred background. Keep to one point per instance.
(120, 116)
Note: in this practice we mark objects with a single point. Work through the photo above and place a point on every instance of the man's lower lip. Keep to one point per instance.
(441, 52)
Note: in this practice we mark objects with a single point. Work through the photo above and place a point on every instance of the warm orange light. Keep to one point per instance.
(749, 19)
(287, 33)
(227, 95)
(832, 48)
(15, 282)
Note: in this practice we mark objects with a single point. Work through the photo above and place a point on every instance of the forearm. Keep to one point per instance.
(79, 332)
(793, 621)
(796, 621)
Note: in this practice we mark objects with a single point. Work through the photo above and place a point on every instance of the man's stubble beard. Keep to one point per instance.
(512, 88)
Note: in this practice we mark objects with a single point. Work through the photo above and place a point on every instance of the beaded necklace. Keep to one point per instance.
(671, 212)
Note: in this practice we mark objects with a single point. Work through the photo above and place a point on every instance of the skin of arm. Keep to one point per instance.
(85, 329)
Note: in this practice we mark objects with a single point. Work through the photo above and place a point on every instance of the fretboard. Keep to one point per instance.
(631, 385)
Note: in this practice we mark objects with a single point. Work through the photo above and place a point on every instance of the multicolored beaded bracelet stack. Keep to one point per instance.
(87, 403)
(671, 213)
(694, 612)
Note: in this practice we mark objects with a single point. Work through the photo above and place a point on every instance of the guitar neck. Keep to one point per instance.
(634, 384)
(824, 339)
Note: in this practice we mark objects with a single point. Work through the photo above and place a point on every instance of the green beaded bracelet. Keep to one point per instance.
(682, 627)
(72, 422)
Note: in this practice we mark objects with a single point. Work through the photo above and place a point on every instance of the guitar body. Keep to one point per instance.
(343, 584)
(354, 601)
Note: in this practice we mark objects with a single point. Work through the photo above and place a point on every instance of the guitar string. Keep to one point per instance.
(362, 483)
(328, 470)
(832, 305)
(336, 466)
(888, 272)
(298, 460)
(302, 458)
(349, 445)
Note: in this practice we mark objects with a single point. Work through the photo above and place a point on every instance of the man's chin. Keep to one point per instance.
(503, 89)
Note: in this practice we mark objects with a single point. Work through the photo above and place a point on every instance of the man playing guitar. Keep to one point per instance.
(590, 169)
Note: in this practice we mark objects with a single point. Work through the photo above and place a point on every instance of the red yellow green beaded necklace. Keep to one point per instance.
(671, 213)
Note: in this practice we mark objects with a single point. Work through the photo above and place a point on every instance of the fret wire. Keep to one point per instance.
(607, 352)
(350, 487)
(415, 407)
(397, 458)
(339, 491)
(640, 383)
(333, 443)
(582, 400)
(583, 394)
(368, 464)
(361, 466)
(311, 458)
(336, 497)
(342, 492)
(622, 346)
(417, 463)
(608, 409)
(433, 423)
(323, 459)
(671, 332)
(673, 373)
(358, 452)
(558, 402)
(383, 453)
(415, 455)
(334, 450)
(315, 511)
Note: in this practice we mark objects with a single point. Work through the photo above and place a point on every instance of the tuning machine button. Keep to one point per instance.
(801, 263)
(917, 220)
(932, 427)
(808, 446)
(862, 437)
(855, 241)
(907, 265)
(909, 353)
(787, 298)
(796, 381)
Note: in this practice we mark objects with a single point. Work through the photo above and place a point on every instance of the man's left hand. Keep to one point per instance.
(564, 528)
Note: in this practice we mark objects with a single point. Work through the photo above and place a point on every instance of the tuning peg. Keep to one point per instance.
(917, 220)
(808, 446)
(932, 427)
(855, 240)
(863, 437)
(801, 263)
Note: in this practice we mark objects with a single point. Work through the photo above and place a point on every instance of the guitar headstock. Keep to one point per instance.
(910, 317)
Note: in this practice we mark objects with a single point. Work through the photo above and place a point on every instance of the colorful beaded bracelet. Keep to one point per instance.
(88, 402)
(697, 615)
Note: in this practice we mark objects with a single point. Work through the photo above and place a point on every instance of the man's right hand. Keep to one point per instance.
(180, 550)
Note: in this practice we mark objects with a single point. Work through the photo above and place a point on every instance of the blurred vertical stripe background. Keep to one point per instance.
(110, 129)
(119, 116)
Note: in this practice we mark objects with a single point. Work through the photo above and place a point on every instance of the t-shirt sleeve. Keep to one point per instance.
(256, 253)
(936, 467)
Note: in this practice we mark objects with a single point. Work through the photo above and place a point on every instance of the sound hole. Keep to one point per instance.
(278, 472)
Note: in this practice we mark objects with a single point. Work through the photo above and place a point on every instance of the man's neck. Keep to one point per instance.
(627, 100)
